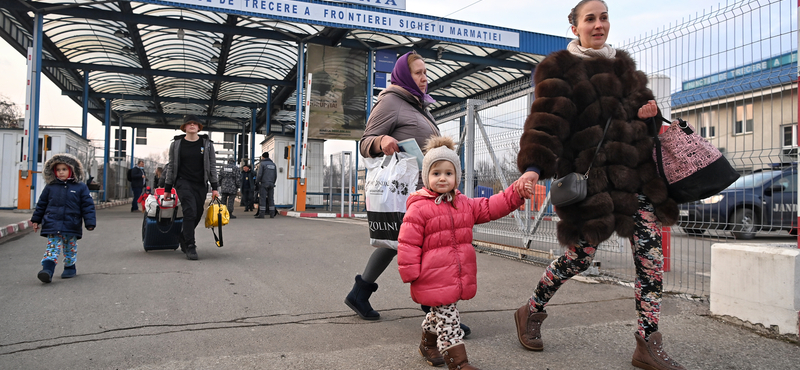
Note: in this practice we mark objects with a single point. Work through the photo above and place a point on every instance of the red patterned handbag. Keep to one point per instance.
(692, 168)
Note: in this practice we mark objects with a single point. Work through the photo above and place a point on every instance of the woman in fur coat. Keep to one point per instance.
(577, 91)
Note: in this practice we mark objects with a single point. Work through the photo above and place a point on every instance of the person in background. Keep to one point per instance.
(138, 182)
(229, 179)
(247, 188)
(191, 167)
(577, 91)
(65, 204)
(265, 182)
(159, 175)
(444, 270)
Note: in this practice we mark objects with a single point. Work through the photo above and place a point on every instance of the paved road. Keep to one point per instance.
(272, 299)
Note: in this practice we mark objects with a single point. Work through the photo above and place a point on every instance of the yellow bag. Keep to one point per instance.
(216, 216)
(216, 212)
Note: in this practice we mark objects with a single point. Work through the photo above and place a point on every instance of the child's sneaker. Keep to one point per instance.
(69, 272)
(46, 275)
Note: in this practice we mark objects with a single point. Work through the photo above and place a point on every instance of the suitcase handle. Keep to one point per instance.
(158, 219)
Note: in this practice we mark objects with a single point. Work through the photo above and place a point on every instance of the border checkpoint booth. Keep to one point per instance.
(52, 140)
(280, 149)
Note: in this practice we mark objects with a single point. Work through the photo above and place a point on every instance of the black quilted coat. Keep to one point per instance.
(574, 99)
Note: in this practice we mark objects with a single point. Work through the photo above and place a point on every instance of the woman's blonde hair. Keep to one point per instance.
(412, 58)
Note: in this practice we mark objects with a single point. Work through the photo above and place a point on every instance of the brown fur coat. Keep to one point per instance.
(574, 99)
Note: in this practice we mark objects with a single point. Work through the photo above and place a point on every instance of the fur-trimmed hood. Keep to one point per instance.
(574, 99)
(69, 160)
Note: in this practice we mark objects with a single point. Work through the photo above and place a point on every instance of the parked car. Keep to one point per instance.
(762, 201)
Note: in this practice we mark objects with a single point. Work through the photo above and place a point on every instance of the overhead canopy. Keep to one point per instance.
(159, 60)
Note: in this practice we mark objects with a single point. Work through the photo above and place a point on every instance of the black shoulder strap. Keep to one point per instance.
(598, 146)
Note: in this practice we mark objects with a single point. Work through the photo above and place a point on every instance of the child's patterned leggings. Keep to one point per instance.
(446, 323)
(647, 257)
(56, 243)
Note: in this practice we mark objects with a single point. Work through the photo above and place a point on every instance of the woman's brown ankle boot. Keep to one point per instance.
(650, 355)
(529, 326)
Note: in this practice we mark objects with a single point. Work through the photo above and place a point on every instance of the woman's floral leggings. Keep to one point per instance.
(647, 257)
(56, 243)
(446, 323)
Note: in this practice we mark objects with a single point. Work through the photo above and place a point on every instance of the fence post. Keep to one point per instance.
(469, 150)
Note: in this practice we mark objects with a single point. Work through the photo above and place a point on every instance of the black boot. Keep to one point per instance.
(466, 329)
(46, 275)
(358, 299)
(191, 252)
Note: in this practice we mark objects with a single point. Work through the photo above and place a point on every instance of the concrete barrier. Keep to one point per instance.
(758, 283)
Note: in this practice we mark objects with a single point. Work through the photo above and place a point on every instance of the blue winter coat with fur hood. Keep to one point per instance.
(64, 205)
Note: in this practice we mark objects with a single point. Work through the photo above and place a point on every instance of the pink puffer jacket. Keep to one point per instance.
(435, 252)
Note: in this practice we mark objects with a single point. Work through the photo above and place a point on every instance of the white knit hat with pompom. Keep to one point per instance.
(440, 148)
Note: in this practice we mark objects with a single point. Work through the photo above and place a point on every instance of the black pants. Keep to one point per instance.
(247, 199)
(193, 199)
(266, 202)
(137, 192)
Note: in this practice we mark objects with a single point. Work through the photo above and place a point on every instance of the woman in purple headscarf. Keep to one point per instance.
(401, 113)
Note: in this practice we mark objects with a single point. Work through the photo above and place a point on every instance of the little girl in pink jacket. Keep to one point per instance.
(435, 252)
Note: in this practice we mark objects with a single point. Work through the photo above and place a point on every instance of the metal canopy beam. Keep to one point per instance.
(138, 45)
(222, 62)
(158, 72)
(494, 93)
(273, 35)
(466, 71)
(227, 103)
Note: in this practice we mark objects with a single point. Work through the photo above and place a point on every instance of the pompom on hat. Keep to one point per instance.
(191, 118)
(440, 148)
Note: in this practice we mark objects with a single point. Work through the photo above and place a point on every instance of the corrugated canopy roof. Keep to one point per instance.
(159, 60)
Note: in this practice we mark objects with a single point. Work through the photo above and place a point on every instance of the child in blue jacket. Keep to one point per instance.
(65, 203)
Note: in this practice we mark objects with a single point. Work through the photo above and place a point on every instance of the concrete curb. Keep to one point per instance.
(321, 214)
(19, 228)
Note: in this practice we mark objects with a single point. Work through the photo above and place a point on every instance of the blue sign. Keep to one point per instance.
(742, 71)
(389, 4)
(382, 80)
(385, 60)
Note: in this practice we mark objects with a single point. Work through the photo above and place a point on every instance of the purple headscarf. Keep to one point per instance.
(401, 76)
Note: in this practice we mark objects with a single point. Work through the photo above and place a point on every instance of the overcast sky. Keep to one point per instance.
(629, 19)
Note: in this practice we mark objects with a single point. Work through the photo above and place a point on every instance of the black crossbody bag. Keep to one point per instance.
(571, 188)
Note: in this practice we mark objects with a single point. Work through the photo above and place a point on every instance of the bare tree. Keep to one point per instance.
(160, 158)
(9, 113)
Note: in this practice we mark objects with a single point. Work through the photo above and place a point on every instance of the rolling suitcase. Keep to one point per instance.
(163, 222)
(158, 235)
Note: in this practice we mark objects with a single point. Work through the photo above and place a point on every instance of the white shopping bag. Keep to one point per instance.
(390, 180)
(157, 207)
